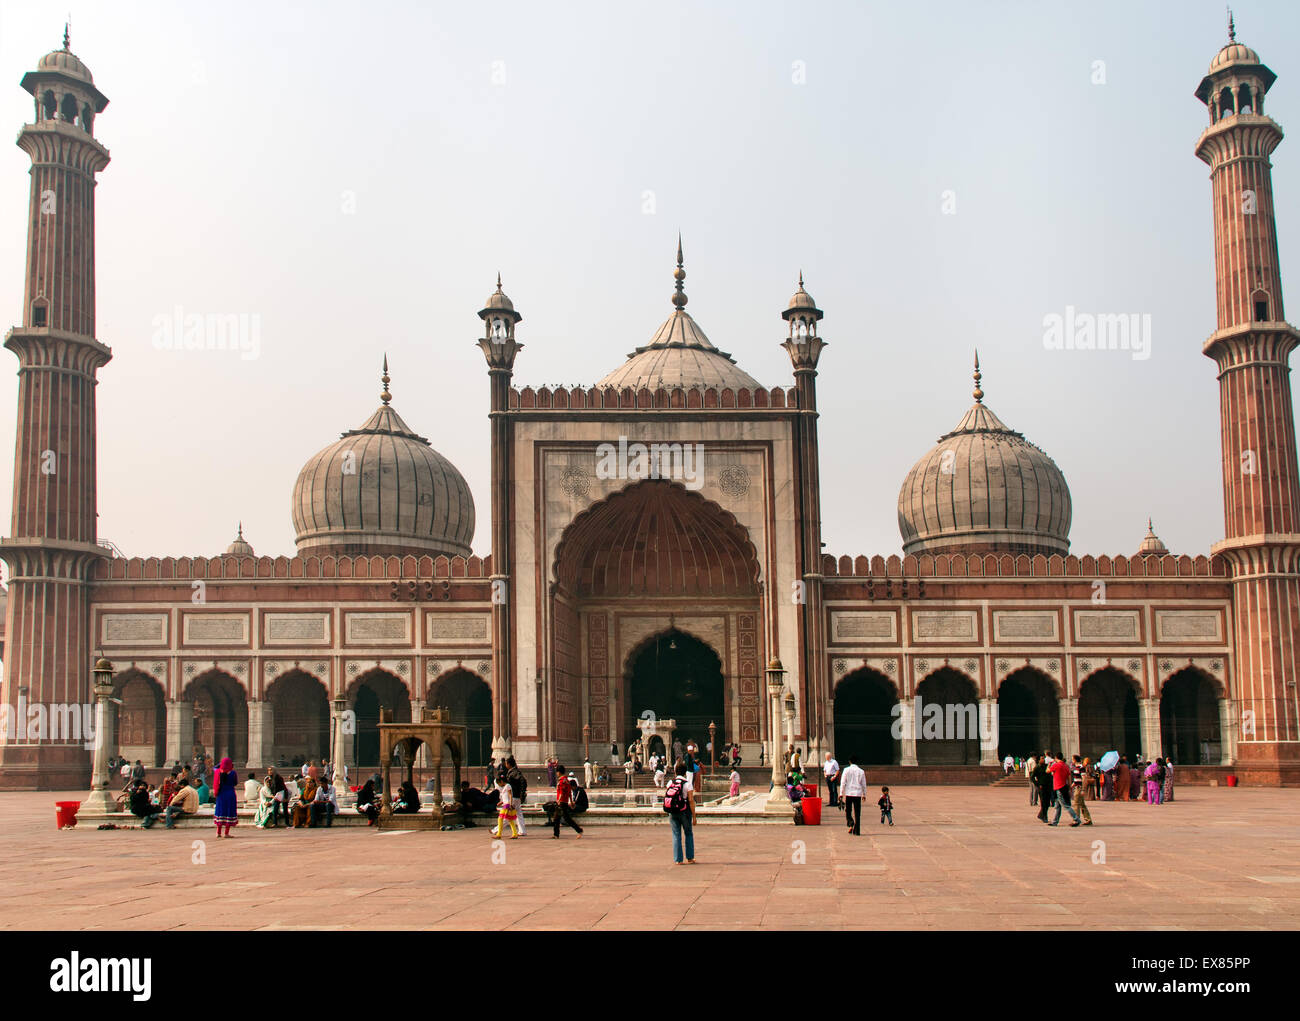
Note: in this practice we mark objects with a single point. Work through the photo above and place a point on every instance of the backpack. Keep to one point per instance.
(518, 785)
(675, 795)
(580, 800)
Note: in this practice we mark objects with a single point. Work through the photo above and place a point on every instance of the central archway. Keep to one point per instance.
(657, 548)
(1189, 718)
(301, 717)
(952, 738)
(374, 690)
(469, 700)
(1029, 720)
(676, 676)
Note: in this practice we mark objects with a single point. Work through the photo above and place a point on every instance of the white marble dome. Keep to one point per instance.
(381, 488)
(984, 488)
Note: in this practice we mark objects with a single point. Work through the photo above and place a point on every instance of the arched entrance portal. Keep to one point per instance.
(374, 690)
(1189, 719)
(220, 716)
(468, 698)
(1029, 717)
(676, 676)
(864, 720)
(654, 548)
(948, 725)
(302, 717)
(141, 727)
(1108, 716)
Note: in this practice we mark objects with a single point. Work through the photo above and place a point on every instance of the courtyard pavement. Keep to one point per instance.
(957, 858)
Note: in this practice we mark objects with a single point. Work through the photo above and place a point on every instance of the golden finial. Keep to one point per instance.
(679, 299)
(385, 396)
(979, 394)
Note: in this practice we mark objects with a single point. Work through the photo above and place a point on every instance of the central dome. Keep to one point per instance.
(680, 355)
(984, 489)
(381, 488)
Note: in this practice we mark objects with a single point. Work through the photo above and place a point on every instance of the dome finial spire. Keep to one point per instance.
(679, 299)
(978, 394)
(1232, 28)
(67, 28)
(241, 530)
(385, 396)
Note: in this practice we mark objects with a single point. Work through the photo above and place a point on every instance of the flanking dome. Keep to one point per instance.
(680, 355)
(984, 488)
(241, 547)
(381, 488)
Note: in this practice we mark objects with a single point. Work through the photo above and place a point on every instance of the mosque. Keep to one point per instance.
(655, 549)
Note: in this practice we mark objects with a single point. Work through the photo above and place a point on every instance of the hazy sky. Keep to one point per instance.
(355, 175)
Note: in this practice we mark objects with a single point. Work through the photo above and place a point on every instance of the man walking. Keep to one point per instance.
(831, 773)
(1076, 791)
(564, 803)
(1041, 778)
(853, 787)
(1061, 790)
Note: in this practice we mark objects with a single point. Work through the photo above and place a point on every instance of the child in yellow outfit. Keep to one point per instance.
(505, 812)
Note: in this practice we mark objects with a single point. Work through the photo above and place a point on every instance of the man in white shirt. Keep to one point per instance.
(831, 773)
(853, 787)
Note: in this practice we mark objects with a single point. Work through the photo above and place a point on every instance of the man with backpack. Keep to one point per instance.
(563, 813)
(518, 787)
(679, 803)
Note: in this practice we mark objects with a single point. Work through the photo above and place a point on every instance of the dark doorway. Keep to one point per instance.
(677, 677)
(948, 721)
(864, 720)
(301, 717)
(1108, 716)
(220, 716)
(1189, 719)
(469, 698)
(1029, 717)
(375, 690)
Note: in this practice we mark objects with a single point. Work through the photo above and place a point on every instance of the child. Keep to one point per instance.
(735, 784)
(886, 806)
(505, 811)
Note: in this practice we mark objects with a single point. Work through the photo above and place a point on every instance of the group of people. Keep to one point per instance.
(1056, 781)
(1152, 782)
(181, 794)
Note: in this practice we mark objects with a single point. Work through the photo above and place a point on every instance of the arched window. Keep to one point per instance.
(1226, 106)
(1243, 100)
(40, 312)
(48, 104)
(1260, 302)
(87, 118)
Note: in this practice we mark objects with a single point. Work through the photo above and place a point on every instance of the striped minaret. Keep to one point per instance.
(52, 541)
(1261, 484)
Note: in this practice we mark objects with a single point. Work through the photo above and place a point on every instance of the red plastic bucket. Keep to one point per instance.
(65, 813)
(812, 811)
(1232, 779)
(811, 788)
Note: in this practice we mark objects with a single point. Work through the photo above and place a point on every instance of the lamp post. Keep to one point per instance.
(789, 718)
(775, 682)
(586, 741)
(713, 746)
(99, 799)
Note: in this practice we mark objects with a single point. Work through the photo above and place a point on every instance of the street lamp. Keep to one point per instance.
(713, 746)
(775, 682)
(99, 798)
(586, 741)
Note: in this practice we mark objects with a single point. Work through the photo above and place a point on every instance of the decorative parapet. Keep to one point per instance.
(628, 399)
(232, 567)
(994, 565)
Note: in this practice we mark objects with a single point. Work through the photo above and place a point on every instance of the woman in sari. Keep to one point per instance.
(408, 798)
(1168, 793)
(1122, 772)
(224, 782)
(1151, 773)
(1108, 785)
(1135, 792)
(264, 816)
